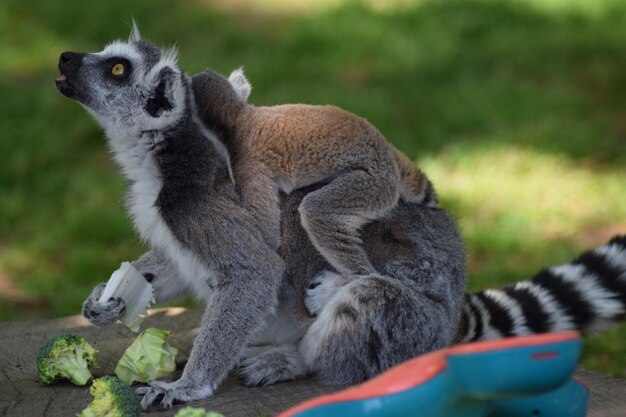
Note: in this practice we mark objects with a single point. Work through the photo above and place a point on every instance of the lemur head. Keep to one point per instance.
(131, 86)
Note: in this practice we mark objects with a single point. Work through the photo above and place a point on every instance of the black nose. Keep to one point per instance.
(67, 57)
(70, 61)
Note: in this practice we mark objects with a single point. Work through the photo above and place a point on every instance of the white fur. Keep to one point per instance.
(240, 83)
(170, 117)
(316, 298)
(284, 184)
(328, 323)
(169, 58)
(139, 167)
(513, 308)
(119, 49)
(151, 227)
(615, 255)
(135, 36)
(604, 303)
(489, 333)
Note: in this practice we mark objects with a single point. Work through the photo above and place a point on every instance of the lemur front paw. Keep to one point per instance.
(166, 393)
(102, 314)
(321, 288)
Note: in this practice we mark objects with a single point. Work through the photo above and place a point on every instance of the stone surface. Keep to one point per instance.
(22, 395)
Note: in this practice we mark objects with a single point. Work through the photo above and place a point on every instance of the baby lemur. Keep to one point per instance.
(257, 211)
(283, 148)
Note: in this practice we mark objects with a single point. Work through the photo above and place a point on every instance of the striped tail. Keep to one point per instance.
(588, 294)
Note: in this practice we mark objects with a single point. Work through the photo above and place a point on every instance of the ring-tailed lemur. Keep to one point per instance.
(179, 142)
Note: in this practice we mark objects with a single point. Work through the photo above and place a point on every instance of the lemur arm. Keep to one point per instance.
(157, 269)
(162, 274)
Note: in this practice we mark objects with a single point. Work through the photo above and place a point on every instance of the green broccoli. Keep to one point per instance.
(148, 358)
(66, 357)
(111, 398)
(196, 412)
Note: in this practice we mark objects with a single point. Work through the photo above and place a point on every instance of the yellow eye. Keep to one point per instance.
(118, 69)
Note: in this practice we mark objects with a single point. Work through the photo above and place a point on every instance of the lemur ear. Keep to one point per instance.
(135, 36)
(240, 83)
(162, 95)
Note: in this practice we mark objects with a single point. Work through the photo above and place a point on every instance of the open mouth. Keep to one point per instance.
(65, 87)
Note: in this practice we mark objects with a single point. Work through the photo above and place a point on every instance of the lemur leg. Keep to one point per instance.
(246, 277)
(272, 365)
(157, 269)
(333, 215)
(229, 322)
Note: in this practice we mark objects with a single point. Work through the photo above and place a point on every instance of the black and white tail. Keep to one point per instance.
(587, 294)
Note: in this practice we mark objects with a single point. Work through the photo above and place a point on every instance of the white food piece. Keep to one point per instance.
(136, 292)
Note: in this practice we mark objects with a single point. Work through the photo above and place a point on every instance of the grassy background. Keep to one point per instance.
(516, 109)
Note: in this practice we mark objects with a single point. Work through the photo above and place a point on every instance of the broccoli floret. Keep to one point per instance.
(148, 358)
(111, 398)
(66, 357)
(196, 412)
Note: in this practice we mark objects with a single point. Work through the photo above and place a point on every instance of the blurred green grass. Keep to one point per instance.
(516, 109)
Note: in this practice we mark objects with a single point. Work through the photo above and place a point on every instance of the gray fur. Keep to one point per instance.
(102, 314)
(158, 270)
(162, 274)
(276, 364)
